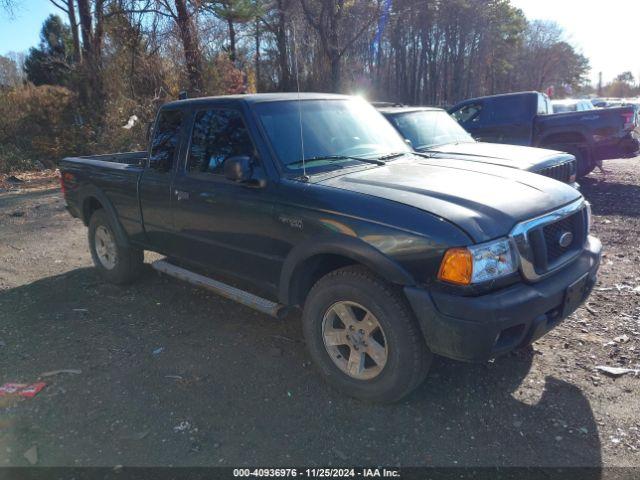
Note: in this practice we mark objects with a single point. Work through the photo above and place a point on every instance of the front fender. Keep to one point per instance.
(345, 246)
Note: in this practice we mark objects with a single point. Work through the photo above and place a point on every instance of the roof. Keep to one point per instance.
(398, 110)
(258, 97)
(531, 92)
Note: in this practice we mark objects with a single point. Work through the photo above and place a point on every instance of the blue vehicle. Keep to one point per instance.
(527, 118)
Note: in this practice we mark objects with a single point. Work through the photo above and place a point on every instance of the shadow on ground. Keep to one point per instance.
(172, 375)
(609, 197)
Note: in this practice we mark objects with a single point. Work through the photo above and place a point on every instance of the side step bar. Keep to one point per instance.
(248, 299)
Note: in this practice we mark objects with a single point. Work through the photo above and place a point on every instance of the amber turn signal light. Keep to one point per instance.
(456, 266)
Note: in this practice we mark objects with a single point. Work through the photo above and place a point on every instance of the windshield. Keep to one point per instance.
(429, 128)
(331, 128)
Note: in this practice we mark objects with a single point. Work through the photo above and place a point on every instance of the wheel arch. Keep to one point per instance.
(310, 261)
(94, 199)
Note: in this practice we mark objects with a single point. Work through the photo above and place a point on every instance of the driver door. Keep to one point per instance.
(223, 225)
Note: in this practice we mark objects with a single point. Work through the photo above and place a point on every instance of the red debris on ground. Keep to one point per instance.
(21, 389)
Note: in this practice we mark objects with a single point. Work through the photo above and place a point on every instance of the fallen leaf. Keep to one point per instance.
(616, 371)
(31, 455)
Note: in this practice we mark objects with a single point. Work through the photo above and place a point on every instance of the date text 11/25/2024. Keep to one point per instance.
(317, 472)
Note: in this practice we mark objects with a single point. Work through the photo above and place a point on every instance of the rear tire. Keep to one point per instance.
(390, 357)
(116, 263)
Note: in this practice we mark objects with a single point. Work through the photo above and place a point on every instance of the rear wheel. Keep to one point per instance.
(363, 336)
(117, 263)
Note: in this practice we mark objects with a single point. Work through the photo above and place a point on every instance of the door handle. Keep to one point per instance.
(181, 195)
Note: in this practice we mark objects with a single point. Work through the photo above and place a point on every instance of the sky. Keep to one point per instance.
(606, 32)
(22, 31)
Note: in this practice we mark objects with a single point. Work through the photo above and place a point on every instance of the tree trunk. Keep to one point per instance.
(257, 23)
(336, 73)
(283, 53)
(75, 34)
(232, 40)
(91, 90)
(190, 45)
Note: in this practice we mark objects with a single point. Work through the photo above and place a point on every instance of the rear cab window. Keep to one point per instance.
(544, 105)
(166, 140)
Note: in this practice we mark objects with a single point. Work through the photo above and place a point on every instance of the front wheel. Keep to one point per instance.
(118, 264)
(363, 336)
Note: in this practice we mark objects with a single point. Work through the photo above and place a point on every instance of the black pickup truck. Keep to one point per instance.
(316, 202)
(527, 118)
(433, 131)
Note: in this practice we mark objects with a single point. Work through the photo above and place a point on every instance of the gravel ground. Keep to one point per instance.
(172, 375)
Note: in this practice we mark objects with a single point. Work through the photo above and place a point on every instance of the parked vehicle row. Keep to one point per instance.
(317, 203)
(614, 102)
(433, 131)
(525, 119)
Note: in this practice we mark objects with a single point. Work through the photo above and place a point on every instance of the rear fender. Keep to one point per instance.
(85, 195)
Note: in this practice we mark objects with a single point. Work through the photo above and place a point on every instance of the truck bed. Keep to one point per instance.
(115, 175)
(128, 158)
(605, 124)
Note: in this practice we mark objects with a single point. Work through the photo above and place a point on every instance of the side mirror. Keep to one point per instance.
(238, 169)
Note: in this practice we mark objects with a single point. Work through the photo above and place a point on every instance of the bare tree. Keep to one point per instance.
(69, 8)
(339, 24)
(276, 19)
(183, 13)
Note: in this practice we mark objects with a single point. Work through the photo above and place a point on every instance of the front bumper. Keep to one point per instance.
(483, 327)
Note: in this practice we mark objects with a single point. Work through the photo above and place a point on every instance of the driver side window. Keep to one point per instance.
(217, 135)
(468, 114)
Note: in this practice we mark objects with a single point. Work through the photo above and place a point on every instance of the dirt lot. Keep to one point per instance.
(171, 375)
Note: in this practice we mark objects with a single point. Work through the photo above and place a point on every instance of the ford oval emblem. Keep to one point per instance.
(566, 238)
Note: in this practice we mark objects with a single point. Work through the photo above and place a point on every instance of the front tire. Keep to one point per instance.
(363, 336)
(116, 263)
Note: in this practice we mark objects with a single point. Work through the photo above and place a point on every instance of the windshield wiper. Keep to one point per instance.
(337, 158)
(428, 146)
(389, 156)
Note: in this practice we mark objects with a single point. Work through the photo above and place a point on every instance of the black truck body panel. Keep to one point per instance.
(482, 327)
(278, 233)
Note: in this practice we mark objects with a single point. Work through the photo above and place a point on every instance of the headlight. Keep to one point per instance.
(478, 263)
(588, 206)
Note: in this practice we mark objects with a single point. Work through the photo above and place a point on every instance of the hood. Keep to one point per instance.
(514, 156)
(484, 200)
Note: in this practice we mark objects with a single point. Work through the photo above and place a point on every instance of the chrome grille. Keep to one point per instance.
(562, 172)
(554, 231)
(538, 240)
